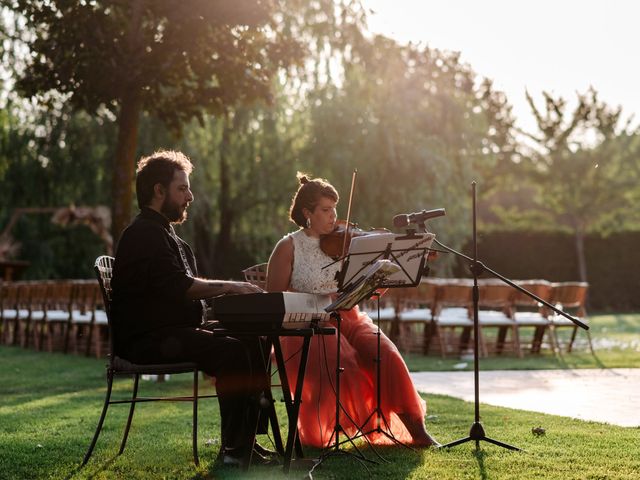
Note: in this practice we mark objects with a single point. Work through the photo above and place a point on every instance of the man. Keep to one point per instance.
(157, 310)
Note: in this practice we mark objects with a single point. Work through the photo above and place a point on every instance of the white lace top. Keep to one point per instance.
(307, 275)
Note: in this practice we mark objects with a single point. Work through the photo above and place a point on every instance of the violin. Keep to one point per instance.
(332, 244)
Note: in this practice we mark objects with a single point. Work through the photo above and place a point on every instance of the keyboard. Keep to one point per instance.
(271, 311)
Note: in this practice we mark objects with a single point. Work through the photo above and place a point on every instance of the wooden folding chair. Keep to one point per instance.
(8, 294)
(494, 311)
(528, 313)
(415, 317)
(83, 306)
(38, 298)
(531, 314)
(57, 315)
(15, 311)
(100, 327)
(570, 297)
(451, 311)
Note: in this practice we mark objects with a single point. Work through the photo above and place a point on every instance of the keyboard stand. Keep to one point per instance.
(292, 404)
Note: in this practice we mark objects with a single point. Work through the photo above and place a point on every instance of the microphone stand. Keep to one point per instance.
(477, 432)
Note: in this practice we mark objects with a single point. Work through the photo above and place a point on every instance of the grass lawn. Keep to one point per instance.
(50, 403)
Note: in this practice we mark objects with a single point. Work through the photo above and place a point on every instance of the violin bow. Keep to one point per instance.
(346, 232)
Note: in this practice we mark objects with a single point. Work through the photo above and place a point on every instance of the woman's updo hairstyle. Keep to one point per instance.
(308, 196)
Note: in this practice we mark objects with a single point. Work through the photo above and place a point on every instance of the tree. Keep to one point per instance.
(246, 165)
(416, 124)
(583, 167)
(173, 59)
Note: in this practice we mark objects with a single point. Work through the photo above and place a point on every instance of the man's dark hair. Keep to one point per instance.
(158, 168)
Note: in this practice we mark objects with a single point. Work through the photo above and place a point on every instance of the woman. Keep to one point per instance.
(296, 264)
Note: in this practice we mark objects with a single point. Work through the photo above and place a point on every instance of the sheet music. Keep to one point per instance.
(376, 274)
(407, 251)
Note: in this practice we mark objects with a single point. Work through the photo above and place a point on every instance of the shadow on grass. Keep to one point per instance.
(103, 467)
(385, 462)
(480, 456)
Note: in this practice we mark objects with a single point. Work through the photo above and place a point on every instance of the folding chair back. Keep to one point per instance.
(453, 294)
(571, 298)
(257, 275)
(540, 288)
(495, 295)
(570, 295)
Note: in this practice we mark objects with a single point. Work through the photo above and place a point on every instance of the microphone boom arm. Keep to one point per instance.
(481, 267)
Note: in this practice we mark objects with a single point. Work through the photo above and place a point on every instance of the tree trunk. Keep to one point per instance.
(130, 105)
(205, 251)
(582, 261)
(225, 203)
(124, 171)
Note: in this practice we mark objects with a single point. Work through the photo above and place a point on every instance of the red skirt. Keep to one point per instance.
(358, 350)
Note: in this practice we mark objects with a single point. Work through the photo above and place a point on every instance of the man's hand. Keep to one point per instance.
(239, 288)
(212, 288)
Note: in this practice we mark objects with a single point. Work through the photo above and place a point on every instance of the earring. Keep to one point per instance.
(308, 222)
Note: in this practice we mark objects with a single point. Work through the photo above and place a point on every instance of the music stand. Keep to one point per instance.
(407, 251)
(371, 269)
(477, 432)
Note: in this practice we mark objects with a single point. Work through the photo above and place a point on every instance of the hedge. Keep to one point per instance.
(613, 263)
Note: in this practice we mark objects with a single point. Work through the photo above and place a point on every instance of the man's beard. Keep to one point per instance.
(173, 211)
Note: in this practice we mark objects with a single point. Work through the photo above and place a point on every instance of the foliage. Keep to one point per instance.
(579, 172)
(523, 254)
(51, 403)
(56, 160)
(418, 128)
(255, 151)
(173, 59)
(302, 88)
(585, 182)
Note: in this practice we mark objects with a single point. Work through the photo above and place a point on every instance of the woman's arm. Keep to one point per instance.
(280, 266)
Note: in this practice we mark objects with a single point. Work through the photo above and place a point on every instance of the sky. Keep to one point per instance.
(559, 46)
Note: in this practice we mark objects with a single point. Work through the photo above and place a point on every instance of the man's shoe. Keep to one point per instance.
(232, 458)
(235, 457)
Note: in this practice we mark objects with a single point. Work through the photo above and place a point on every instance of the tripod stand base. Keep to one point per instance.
(477, 433)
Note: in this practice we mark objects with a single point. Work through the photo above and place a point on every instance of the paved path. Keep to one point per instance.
(602, 395)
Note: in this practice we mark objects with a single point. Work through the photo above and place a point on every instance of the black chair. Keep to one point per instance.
(120, 366)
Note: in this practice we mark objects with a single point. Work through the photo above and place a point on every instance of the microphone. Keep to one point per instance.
(404, 219)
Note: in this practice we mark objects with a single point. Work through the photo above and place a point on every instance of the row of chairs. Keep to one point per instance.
(438, 315)
(61, 315)
(435, 316)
